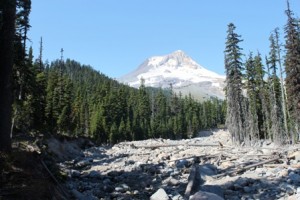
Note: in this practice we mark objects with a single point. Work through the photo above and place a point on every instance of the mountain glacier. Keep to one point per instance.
(180, 71)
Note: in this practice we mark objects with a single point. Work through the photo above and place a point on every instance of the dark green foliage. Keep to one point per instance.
(277, 121)
(260, 110)
(252, 101)
(81, 101)
(68, 98)
(7, 31)
(262, 98)
(292, 68)
(73, 99)
(28, 81)
(235, 118)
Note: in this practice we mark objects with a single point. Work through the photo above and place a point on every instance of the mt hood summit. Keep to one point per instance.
(180, 71)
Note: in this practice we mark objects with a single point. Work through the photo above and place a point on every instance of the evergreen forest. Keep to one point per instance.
(64, 97)
(71, 99)
(263, 92)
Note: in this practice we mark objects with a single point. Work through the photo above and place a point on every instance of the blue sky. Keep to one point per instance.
(116, 36)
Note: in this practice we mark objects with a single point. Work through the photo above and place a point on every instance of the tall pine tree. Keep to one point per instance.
(292, 68)
(235, 119)
(7, 30)
(251, 86)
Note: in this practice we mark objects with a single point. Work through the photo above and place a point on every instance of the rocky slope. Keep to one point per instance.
(170, 169)
(181, 71)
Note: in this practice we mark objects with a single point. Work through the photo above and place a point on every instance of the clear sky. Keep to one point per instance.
(116, 36)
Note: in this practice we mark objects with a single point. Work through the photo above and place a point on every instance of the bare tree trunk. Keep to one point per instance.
(7, 30)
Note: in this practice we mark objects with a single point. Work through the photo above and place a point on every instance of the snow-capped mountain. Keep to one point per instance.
(181, 71)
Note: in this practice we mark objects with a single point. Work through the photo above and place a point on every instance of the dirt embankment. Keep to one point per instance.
(30, 171)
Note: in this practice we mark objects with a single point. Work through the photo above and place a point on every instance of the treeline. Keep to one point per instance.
(68, 98)
(262, 102)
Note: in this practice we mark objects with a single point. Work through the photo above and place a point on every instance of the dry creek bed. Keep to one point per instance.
(161, 169)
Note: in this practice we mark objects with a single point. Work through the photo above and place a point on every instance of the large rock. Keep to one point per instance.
(83, 163)
(182, 164)
(207, 170)
(294, 155)
(294, 177)
(205, 196)
(63, 149)
(160, 194)
(215, 189)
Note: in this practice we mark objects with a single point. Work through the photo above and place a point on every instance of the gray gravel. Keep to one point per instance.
(141, 169)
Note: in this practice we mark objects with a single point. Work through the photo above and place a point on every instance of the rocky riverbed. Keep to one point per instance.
(176, 169)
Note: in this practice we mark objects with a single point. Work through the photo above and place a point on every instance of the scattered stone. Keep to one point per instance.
(175, 173)
(75, 173)
(207, 170)
(82, 164)
(163, 156)
(215, 189)
(129, 162)
(177, 197)
(135, 192)
(205, 196)
(294, 177)
(94, 174)
(283, 173)
(248, 189)
(108, 188)
(119, 189)
(294, 155)
(289, 191)
(182, 164)
(173, 182)
(77, 195)
(123, 172)
(160, 194)
(226, 164)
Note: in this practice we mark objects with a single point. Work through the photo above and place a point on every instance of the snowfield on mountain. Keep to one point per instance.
(180, 71)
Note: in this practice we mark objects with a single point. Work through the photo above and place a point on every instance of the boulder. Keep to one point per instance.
(173, 182)
(205, 196)
(206, 171)
(215, 189)
(160, 194)
(294, 155)
(294, 177)
(83, 163)
(182, 164)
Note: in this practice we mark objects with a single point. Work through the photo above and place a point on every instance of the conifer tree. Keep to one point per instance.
(277, 124)
(282, 87)
(24, 73)
(263, 105)
(114, 134)
(100, 108)
(235, 119)
(7, 31)
(251, 87)
(144, 109)
(292, 68)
